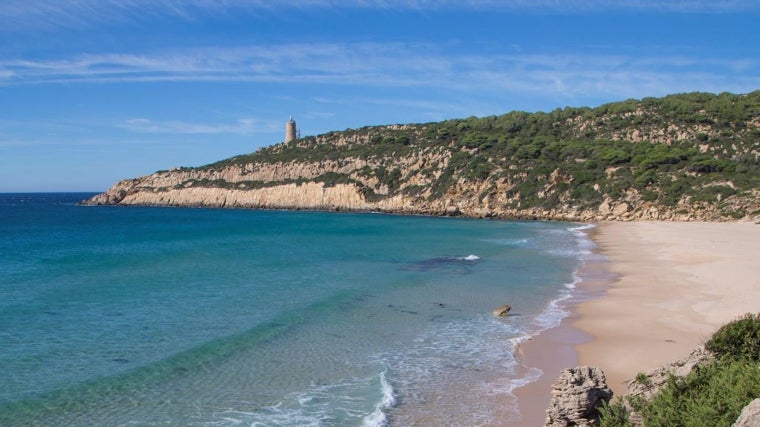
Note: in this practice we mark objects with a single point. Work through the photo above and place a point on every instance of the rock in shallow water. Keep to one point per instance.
(502, 311)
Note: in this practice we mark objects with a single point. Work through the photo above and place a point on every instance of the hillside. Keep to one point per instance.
(690, 156)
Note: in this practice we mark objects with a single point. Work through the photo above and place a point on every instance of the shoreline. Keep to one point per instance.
(554, 349)
(659, 290)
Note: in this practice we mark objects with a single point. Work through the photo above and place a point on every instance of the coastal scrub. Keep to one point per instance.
(712, 394)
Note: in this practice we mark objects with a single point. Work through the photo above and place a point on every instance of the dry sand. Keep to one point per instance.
(679, 283)
(676, 284)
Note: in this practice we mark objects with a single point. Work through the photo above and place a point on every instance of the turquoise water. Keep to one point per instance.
(169, 316)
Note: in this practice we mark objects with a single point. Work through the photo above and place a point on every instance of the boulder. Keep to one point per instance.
(750, 416)
(502, 311)
(576, 397)
(621, 209)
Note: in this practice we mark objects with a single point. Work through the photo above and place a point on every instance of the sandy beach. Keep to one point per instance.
(674, 285)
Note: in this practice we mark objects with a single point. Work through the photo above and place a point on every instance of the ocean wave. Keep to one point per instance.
(454, 366)
(579, 246)
(351, 401)
(443, 262)
(508, 242)
(554, 312)
(378, 418)
(556, 309)
(272, 416)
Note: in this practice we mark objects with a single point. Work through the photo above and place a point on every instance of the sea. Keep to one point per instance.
(154, 316)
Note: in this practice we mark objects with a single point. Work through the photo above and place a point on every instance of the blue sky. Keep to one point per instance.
(94, 91)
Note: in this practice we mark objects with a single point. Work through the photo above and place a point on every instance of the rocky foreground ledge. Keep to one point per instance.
(579, 393)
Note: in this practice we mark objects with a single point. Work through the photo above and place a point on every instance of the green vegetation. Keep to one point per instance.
(642, 379)
(682, 150)
(614, 414)
(713, 394)
(739, 339)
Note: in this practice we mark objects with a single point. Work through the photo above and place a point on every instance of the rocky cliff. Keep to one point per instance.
(683, 157)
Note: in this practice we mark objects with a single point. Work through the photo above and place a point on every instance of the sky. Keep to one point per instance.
(95, 91)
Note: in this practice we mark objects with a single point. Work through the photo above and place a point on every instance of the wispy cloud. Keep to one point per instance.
(241, 126)
(318, 115)
(27, 14)
(298, 62)
(381, 65)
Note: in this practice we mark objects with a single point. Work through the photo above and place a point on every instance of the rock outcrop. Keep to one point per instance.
(648, 384)
(576, 397)
(750, 416)
(309, 195)
(579, 392)
(502, 311)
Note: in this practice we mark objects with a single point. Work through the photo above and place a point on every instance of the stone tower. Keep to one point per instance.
(290, 130)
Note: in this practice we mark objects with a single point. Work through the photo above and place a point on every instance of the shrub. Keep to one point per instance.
(614, 414)
(478, 168)
(331, 179)
(614, 156)
(739, 339)
(711, 395)
(711, 165)
(642, 379)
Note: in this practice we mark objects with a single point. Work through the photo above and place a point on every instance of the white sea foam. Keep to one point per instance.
(508, 242)
(453, 366)
(378, 418)
(583, 227)
(576, 280)
(348, 401)
(274, 415)
(556, 310)
(579, 247)
(553, 313)
(585, 245)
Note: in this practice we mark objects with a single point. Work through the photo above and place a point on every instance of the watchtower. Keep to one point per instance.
(290, 130)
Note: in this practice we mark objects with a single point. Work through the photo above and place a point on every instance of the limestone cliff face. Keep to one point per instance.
(305, 196)
(473, 199)
(628, 161)
(165, 189)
